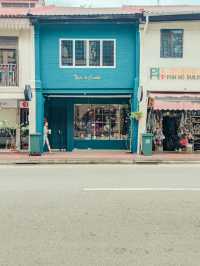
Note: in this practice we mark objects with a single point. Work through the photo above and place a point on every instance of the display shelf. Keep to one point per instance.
(195, 121)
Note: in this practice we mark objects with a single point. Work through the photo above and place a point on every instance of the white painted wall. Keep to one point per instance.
(150, 57)
(22, 29)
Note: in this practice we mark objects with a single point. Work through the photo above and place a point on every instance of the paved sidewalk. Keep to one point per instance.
(75, 157)
(97, 157)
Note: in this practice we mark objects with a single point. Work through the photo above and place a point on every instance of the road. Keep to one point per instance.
(100, 215)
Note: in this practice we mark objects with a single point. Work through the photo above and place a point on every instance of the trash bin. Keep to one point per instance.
(35, 144)
(147, 139)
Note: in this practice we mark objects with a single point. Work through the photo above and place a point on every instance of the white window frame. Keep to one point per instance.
(87, 53)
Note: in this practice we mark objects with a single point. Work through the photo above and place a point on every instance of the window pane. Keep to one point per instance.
(83, 121)
(108, 53)
(8, 67)
(67, 53)
(115, 121)
(80, 53)
(8, 56)
(101, 121)
(94, 53)
(172, 43)
(8, 42)
(177, 43)
(124, 121)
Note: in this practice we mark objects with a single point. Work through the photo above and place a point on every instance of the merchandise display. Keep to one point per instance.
(101, 121)
(170, 126)
(7, 138)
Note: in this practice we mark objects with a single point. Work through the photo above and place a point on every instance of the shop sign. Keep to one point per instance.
(90, 77)
(23, 104)
(8, 103)
(157, 73)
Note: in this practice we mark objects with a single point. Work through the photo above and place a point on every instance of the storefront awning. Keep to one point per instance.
(175, 101)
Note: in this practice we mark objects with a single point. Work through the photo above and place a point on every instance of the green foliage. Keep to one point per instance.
(136, 115)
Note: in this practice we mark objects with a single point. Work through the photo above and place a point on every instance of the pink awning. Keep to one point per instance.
(176, 101)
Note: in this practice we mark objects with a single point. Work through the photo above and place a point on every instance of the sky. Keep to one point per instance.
(106, 3)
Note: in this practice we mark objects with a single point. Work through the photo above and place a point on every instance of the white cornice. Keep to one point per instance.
(14, 23)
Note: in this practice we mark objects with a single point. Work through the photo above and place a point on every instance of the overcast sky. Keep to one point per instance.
(119, 2)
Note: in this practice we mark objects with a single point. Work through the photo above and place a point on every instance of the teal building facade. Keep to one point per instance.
(87, 78)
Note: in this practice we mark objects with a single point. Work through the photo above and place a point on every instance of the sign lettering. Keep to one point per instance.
(157, 73)
(90, 77)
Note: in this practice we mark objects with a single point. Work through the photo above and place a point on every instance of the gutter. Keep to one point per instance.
(146, 24)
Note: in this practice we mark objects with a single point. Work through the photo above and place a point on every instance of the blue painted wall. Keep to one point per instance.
(121, 78)
(50, 78)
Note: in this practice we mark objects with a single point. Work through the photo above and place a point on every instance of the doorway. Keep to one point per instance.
(56, 114)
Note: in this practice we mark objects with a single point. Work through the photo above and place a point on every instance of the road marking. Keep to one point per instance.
(142, 189)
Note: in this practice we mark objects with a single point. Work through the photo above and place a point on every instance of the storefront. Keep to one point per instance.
(14, 125)
(174, 118)
(88, 122)
(88, 86)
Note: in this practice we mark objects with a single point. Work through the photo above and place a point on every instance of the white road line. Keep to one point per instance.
(143, 189)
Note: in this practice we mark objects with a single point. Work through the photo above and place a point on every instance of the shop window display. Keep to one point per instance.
(101, 121)
(7, 136)
(174, 126)
(24, 128)
(8, 128)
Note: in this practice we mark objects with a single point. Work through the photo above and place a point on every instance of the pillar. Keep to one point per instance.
(39, 99)
(134, 98)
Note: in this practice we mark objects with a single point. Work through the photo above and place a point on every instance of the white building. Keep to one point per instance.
(17, 69)
(170, 73)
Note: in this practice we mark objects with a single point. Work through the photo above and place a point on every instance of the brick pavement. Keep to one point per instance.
(94, 156)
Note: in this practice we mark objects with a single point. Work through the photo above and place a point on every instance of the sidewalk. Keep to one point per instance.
(98, 157)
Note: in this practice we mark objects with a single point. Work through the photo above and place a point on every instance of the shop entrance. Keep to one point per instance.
(55, 114)
(170, 125)
(174, 130)
(174, 120)
(88, 123)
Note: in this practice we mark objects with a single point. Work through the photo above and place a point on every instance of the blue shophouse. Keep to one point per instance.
(87, 72)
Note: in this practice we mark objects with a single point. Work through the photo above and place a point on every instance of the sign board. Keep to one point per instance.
(8, 103)
(90, 77)
(23, 104)
(27, 93)
(160, 73)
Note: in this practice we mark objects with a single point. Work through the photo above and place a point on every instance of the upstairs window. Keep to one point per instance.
(87, 53)
(67, 53)
(171, 43)
(108, 53)
(94, 53)
(16, 5)
(8, 61)
(80, 53)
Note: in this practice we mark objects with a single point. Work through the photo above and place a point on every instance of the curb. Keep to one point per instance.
(92, 161)
(62, 162)
(166, 162)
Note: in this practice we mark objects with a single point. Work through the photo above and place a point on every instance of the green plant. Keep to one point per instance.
(136, 115)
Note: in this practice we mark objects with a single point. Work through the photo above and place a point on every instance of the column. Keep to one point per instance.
(134, 98)
(39, 99)
(70, 125)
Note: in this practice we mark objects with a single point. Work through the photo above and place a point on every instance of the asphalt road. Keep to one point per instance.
(100, 215)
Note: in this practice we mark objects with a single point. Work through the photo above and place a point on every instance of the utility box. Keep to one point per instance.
(35, 146)
(147, 145)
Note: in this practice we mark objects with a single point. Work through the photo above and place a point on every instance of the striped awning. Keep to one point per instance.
(175, 101)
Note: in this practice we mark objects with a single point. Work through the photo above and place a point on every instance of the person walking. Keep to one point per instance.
(46, 132)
